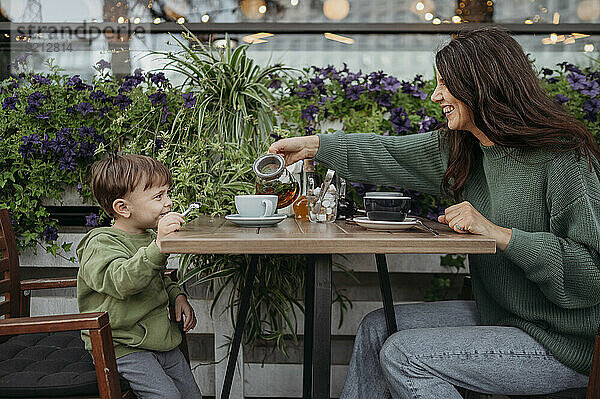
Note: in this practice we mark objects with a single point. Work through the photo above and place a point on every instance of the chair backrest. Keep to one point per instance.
(9, 269)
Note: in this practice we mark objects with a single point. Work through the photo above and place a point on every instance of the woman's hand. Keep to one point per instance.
(296, 148)
(464, 218)
(183, 307)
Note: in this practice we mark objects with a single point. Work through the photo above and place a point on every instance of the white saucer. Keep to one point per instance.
(255, 221)
(384, 225)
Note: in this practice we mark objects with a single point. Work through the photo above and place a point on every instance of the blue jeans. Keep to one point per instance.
(440, 345)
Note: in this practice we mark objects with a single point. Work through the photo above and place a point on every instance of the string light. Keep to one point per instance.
(205, 18)
(180, 20)
(294, 3)
(437, 21)
(428, 16)
(456, 19)
(136, 20)
(420, 6)
(556, 18)
(262, 9)
(157, 20)
(336, 10)
(121, 20)
(338, 38)
(588, 48)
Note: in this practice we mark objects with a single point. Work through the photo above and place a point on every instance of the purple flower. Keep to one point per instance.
(309, 113)
(76, 82)
(27, 148)
(86, 149)
(158, 78)
(400, 120)
(547, 72)
(560, 99)
(30, 109)
(35, 98)
(79, 187)
(354, 92)
(22, 59)
(577, 81)
(10, 102)
(92, 220)
(308, 130)
(132, 81)
(390, 83)
(305, 90)
(103, 111)
(591, 107)
(98, 95)
(552, 80)
(327, 72)
(71, 109)
(41, 80)
(583, 85)
(158, 143)
(427, 124)
(67, 163)
(85, 108)
(274, 84)
(385, 100)
(165, 114)
(158, 98)
(87, 132)
(122, 101)
(324, 100)
(50, 234)
(189, 100)
(102, 65)
(570, 68)
(592, 90)
(413, 90)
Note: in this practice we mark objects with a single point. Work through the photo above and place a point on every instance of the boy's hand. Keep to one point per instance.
(182, 306)
(168, 224)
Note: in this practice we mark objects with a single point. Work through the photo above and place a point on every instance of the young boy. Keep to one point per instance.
(121, 272)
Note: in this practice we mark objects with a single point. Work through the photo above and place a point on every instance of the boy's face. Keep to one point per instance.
(142, 209)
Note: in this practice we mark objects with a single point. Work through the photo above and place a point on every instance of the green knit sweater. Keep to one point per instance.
(122, 274)
(547, 281)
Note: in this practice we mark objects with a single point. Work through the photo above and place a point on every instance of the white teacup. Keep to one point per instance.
(256, 205)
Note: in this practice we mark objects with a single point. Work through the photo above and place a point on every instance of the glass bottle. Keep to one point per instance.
(273, 178)
(308, 185)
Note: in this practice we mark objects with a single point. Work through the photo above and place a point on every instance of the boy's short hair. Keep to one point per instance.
(118, 175)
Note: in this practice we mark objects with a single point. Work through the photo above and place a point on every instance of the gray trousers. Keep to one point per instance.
(159, 375)
(440, 345)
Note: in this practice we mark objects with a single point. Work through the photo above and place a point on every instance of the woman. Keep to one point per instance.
(522, 171)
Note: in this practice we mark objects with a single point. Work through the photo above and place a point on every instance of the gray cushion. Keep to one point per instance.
(47, 364)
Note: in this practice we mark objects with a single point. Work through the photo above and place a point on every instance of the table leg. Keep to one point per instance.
(309, 308)
(239, 326)
(321, 356)
(386, 293)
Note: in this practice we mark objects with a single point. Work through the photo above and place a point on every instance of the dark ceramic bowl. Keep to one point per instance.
(388, 206)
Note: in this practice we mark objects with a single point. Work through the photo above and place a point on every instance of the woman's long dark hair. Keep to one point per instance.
(487, 70)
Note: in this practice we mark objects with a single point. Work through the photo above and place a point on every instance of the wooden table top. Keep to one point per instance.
(205, 235)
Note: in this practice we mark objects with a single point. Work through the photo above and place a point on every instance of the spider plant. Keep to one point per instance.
(235, 101)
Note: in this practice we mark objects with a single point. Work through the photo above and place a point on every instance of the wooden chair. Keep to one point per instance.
(14, 307)
(593, 388)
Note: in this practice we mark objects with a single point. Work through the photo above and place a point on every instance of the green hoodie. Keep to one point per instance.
(122, 274)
